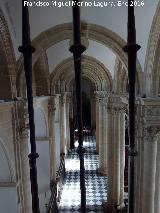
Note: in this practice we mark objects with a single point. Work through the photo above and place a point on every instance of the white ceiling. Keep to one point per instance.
(115, 19)
(59, 52)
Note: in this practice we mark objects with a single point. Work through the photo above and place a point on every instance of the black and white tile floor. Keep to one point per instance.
(95, 184)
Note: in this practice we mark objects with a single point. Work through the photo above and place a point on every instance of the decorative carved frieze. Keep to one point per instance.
(63, 99)
(148, 118)
(22, 122)
(151, 132)
(51, 105)
(152, 111)
(101, 96)
(116, 104)
(68, 97)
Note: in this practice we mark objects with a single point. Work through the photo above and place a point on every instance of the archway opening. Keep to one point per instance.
(87, 92)
(93, 182)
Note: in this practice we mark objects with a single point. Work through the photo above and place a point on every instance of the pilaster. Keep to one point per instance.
(22, 151)
(68, 100)
(101, 99)
(62, 122)
(147, 166)
(116, 107)
(149, 169)
(52, 139)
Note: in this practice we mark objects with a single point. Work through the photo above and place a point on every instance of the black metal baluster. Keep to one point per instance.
(27, 51)
(131, 48)
(77, 49)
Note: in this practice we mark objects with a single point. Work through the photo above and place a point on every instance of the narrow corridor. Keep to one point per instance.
(95, 184)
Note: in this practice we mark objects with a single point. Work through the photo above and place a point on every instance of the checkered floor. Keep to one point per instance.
(95, 184)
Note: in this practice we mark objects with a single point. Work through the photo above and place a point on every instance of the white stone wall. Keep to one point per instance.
(8, 193)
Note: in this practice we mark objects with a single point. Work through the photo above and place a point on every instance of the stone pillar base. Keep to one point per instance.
(108, 208)
(97, 150)
(102, 171)
(112, 208)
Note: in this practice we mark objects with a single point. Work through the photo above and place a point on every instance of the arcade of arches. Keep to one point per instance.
(105, 104)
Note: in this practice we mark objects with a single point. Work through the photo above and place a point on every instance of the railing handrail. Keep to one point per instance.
(52, 205)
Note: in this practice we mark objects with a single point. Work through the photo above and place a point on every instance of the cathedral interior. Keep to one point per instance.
(104, 66)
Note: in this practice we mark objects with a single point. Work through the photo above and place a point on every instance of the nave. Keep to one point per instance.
(96, 185)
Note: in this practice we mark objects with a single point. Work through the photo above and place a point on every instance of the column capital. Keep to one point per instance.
(116, 104)
(101, 96)
(148, 117)
(68, 96)
(63, 98)
(151, 133)
(22, 121)
(51, 104)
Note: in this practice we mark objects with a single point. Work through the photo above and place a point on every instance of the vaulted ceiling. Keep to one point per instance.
(114, 19)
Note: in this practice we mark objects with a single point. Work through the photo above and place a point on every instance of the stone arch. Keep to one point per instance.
(7, 62)
(93, 32)
(91, 69)
(40, 78)
(41, 75)
(92, 85)
(124, 82)
(6, 174)
(151, 70)
(121, 79)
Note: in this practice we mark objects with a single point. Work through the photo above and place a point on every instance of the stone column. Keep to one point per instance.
(93, 113)
(68, 96)
(22, 161)
(149, 170)
(104, 137)
(62, 125)
(157, 180)
(139, 160)
(116, 157)
(98, 117)
(100, 140)
(101, 129)
(122, 154)
(115, 153)
(147, 176)
(52, 141)
(110, 153)
(71, 122)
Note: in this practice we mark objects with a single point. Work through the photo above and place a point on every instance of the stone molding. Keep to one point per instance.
(91, 31)
(116, 104)
(151, 132)
(8, 184)
(51, 105)
(151, 61)
(148, 118)
(94, 32)
(92, 69)
(63, 99)
(9, 53)
(101, 96)
(22, 129)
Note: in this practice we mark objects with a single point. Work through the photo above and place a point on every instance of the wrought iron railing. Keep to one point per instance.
(56, 188)
(60, 176)
(52, 207)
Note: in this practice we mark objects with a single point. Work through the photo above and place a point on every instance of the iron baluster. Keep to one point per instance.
(27, 51)
(131, 48)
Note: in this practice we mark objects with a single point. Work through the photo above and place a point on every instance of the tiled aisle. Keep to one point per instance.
(95, 184)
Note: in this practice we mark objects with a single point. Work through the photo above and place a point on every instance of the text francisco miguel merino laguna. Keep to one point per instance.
(95, 3)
